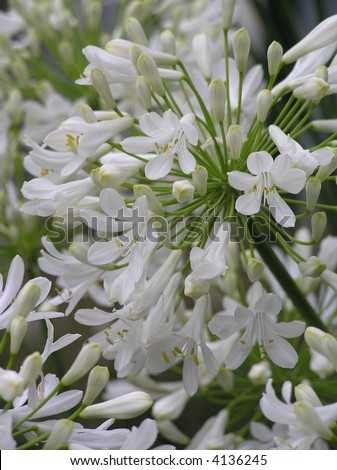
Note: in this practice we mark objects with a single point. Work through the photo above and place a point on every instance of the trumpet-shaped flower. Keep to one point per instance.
(166, 136)
(267, 175)
(259, 324)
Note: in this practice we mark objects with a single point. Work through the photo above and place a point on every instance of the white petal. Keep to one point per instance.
(158, 167)
(289, 330)
(102, 253)
(191, 133)
(268, 303)
(14, 281)
(153, 125)
(138, 145)
(242, 181)
(259, 162)
(287, 178)
(95, 316)
(248, 204)
(112, 202)
(280, 210)
(186, 160)
(281, 352)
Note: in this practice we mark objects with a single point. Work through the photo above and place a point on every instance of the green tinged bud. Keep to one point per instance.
(235, 141)
(101, 85)
(318, 225)
(313, 189)
(135, 31)
(217, 97)
(97, 380)
(274, 57)
(144, 92)
(59, 435)
(148, 67)
(263, 103)
(241, 47)
(85, 361)
(199, 178)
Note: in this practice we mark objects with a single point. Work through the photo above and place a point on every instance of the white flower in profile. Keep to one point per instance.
(259, 324)
(300, 157)
(267, 175)
(167, 136)
(307, 420)
(207, 264)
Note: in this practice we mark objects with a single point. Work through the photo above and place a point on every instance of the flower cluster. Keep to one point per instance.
(182, 218)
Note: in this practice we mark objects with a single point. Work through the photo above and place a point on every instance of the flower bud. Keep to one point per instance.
(140, 9)
(325, 33)
(199, 178)
(263, 103)
(14, 106)
(312, 89)
(183, 190)
(323, 343)
(59, 435)
(170, 406)
(112, 176)
(135, 52)
(202, 52)
(322, 72)
(260, 373)
(18, 328)
(26, 299)
(313, 189)
(217, 98)
(97, 380)
(304, 392)
(93, 13)
(66, 52)
(168, 42)
(144, 92)
(171, 432)
(86, 359)
(318, 225)
(241, 47)
(255, 269)
(126, 406)
(330, 278)
(309, 419)
(235, 141)
(154, 204)
(313, 267)
(227, 7)
(86, 112)
(135, 31)
(11, 384)
(274, 56)
(31, 368)
(325, 171)
(21, 72)
(101, 85)
(148, 67)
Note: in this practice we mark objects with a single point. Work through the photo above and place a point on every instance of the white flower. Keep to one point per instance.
(307, 419)
(167, 136)
(207, 264)
(301, 158)
(267, 175)
(259, 324)
(11, 384)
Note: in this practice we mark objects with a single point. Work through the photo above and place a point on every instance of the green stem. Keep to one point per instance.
(282, 275)
(4, 341)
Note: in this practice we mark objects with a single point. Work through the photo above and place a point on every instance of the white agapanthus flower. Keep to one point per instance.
(167, 136)
(307, 419)
(259, 324)
(266, 176)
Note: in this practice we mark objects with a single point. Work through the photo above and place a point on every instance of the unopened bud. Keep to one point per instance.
(263, 103)
(304, 392)
(217, 98)
(26, 299)
(171, 432)
(235, 141)
(86, 112)
(85, 361)
(168, 42)
(144, 92)
(313, 189)
(260, 373)
(31, 368)
(135, 31)
(183, 190)
(21, 72)
(11, 384)
(199, 178)
(255, 269)
(59, 435)
(97, 380)
(227, 7)
(112, 176)
(323, 343)
(202, 52)
(126, 406)
(241, 47)
(274, 56)
(322, 72)
(134, 53)
(313, 89)
(318, 225)
(101, 85)
(66, 51)
(170, 406)
(14, 106)
(154, 204)
(313, 267)
(148, 67)
(93, 13)
(325, 171)
(18, 328)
